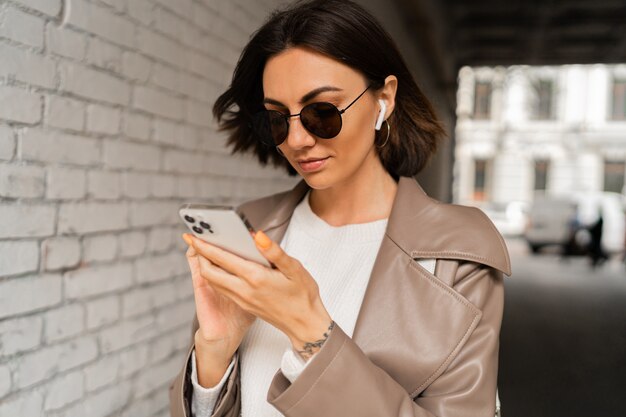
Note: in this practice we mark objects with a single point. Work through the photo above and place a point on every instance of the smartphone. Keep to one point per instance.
(222, 226)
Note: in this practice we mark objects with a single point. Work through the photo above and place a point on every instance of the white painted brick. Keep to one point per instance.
(96, 280)
(21, 181)
(162, 186)
(66, 42)
(91, 217)
(133, 360)
(144, 299)
(20, 334)
(7, 143)
(103, 119)
(127, 333)
(153, 213)
(48, 361)
(64, 390)
(132, 243)
(25, 294)
(167, 132)
(103, 311)
(5, 381)
(186, 187)
(160, 239)
(162, 267)
(101, 373)
(156, 376)
(184, 162)
(101, 21)
(183, 7)
(104, 55)
(136, 125)
(65, 183)
(136, 67)
(93, 84)
(59, 253)
(19, 220)
(64, 322)
(65, 113)
(162, 348)
(49, 7)
(99, 248)
(158, 102)
(196, 87)
(166, 77)
(119, 5)
(21, 27)
(28, 403)
(38, 145)
(18, 257)
(168, 23)
(23, 65)
(198, 113)
(160, 47)
(19, 105)
(103, 185)
(108, 401)
(141, 10)
(131, 155)
(136, 185)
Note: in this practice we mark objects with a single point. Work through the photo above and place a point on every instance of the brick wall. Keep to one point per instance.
(105, 129)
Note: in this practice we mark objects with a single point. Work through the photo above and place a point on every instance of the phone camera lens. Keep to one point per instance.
(197, 229)
(190, 219)
(205, 225)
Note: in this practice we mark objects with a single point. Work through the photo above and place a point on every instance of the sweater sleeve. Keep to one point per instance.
(292, 364)
(203, 399)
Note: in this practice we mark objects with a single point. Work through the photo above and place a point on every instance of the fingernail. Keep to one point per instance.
(262, 240)
(187, 239)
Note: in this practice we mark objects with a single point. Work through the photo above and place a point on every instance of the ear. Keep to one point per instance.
(388, 95)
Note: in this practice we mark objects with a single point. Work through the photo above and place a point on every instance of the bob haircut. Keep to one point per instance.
(346, 32)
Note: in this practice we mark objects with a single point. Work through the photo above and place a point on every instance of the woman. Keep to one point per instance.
(382, 302)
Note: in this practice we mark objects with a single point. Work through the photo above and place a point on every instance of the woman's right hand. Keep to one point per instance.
(222, 323)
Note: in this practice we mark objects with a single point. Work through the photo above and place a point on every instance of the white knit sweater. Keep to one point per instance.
(341, 260)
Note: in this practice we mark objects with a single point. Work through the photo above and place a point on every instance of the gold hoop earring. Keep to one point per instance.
(279, 151)
(387, 139)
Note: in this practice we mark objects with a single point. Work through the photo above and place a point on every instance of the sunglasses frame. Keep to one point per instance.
(286, 117)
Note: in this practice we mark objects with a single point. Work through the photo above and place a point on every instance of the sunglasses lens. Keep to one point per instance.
(321, 119)
(271, 127)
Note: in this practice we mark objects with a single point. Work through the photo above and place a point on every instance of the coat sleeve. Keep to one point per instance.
(228, 402)
(341, 380)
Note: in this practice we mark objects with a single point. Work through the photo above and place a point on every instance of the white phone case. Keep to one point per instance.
(221, 226)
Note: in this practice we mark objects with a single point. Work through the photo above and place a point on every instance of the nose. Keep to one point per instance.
(298, 137)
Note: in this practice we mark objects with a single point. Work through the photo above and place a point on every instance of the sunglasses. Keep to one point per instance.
(321, 119)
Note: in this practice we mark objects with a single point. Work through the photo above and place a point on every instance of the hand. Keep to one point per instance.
(222, 323)
(286, 296)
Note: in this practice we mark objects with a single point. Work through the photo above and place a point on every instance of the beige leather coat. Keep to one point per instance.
(423, 345)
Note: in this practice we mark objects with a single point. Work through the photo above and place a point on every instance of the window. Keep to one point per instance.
(543, 106)
(480, 179)
(482, 100)
(619, 100)
(541, 174)
(614, 176)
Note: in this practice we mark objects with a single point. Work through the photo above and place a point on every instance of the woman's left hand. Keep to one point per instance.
(286, 297)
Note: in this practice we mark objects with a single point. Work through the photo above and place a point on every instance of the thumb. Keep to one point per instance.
(275, 254)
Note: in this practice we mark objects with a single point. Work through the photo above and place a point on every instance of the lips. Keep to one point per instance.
(312, 164)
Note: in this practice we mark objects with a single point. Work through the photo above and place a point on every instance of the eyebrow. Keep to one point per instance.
(308, 96)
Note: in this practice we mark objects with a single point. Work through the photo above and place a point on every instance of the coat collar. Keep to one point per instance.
(445, 230)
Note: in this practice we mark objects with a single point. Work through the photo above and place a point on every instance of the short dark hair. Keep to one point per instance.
(346, 32)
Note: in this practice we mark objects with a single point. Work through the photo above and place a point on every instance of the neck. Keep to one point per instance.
(363, 197)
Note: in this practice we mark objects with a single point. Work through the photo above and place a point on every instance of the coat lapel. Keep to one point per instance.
(410, 323)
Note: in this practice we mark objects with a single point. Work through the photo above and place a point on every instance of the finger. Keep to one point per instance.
(220, 279)
(228, 261)
(276, 255)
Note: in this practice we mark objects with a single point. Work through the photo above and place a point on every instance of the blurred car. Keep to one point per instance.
(565, 221)
(509, 218)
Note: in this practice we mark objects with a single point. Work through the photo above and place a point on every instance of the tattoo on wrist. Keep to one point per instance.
(310, 348)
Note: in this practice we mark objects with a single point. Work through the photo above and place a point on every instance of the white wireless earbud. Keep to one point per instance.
(381, 115)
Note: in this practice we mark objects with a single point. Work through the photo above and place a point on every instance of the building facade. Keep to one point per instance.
(525, 130)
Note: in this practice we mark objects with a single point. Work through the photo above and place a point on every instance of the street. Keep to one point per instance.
(563, 338)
